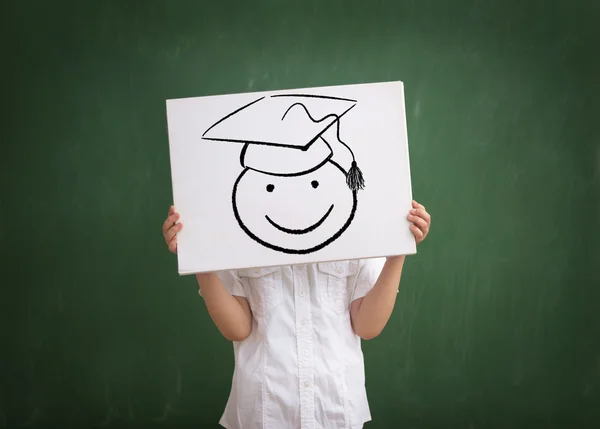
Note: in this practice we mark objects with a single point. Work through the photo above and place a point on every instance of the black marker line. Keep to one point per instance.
(328, 145)
(231, 114)
(314, 96)
(283, 249)
(342, 142)
(301, 231)
(297, 173)
(354, 178)
(338, 117)
(339, 166)
(301, 173)
(337, 121)
(290, 146)
(243, 154)
(316, 121)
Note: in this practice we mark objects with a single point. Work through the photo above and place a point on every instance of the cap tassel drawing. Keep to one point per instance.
(354, 178)
(284, 134)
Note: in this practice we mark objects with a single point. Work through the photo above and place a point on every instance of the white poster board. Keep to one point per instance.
(290, 177)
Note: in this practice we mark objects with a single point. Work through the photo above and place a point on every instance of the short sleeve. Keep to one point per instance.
(366, 276)
(232, 282)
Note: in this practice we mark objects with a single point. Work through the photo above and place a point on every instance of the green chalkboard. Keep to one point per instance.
(498, 318)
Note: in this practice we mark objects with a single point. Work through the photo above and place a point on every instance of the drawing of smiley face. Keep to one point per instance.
(295, 214)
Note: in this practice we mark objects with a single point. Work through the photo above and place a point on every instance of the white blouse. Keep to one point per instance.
(302, 366)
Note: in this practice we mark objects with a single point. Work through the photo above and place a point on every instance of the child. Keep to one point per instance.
(296, 332)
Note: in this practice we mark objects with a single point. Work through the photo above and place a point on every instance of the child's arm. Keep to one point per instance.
(371, 313)
(230, 313)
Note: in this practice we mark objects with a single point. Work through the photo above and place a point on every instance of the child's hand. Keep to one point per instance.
(421, 221)
(171, 228)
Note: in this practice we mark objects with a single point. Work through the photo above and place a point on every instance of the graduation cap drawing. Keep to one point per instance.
(284, 134)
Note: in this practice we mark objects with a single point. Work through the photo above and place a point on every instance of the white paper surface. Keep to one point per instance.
(260, 179)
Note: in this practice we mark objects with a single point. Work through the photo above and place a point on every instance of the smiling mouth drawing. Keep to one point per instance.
(301, 231)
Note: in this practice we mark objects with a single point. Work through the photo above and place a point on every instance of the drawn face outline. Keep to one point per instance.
(339, 222)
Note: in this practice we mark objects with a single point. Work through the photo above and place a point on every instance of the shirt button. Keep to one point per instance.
(301, 293)
(305, 352)
(307, 384)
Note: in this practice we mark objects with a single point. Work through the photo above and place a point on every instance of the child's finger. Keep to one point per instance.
(172, 241)
(416, 232)
(168, 224)
(420, 212)
(417, 205)
(418, 221)
(171, 233)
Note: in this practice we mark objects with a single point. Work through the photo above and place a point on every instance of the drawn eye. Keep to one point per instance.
(270, 188)
(314, 184)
